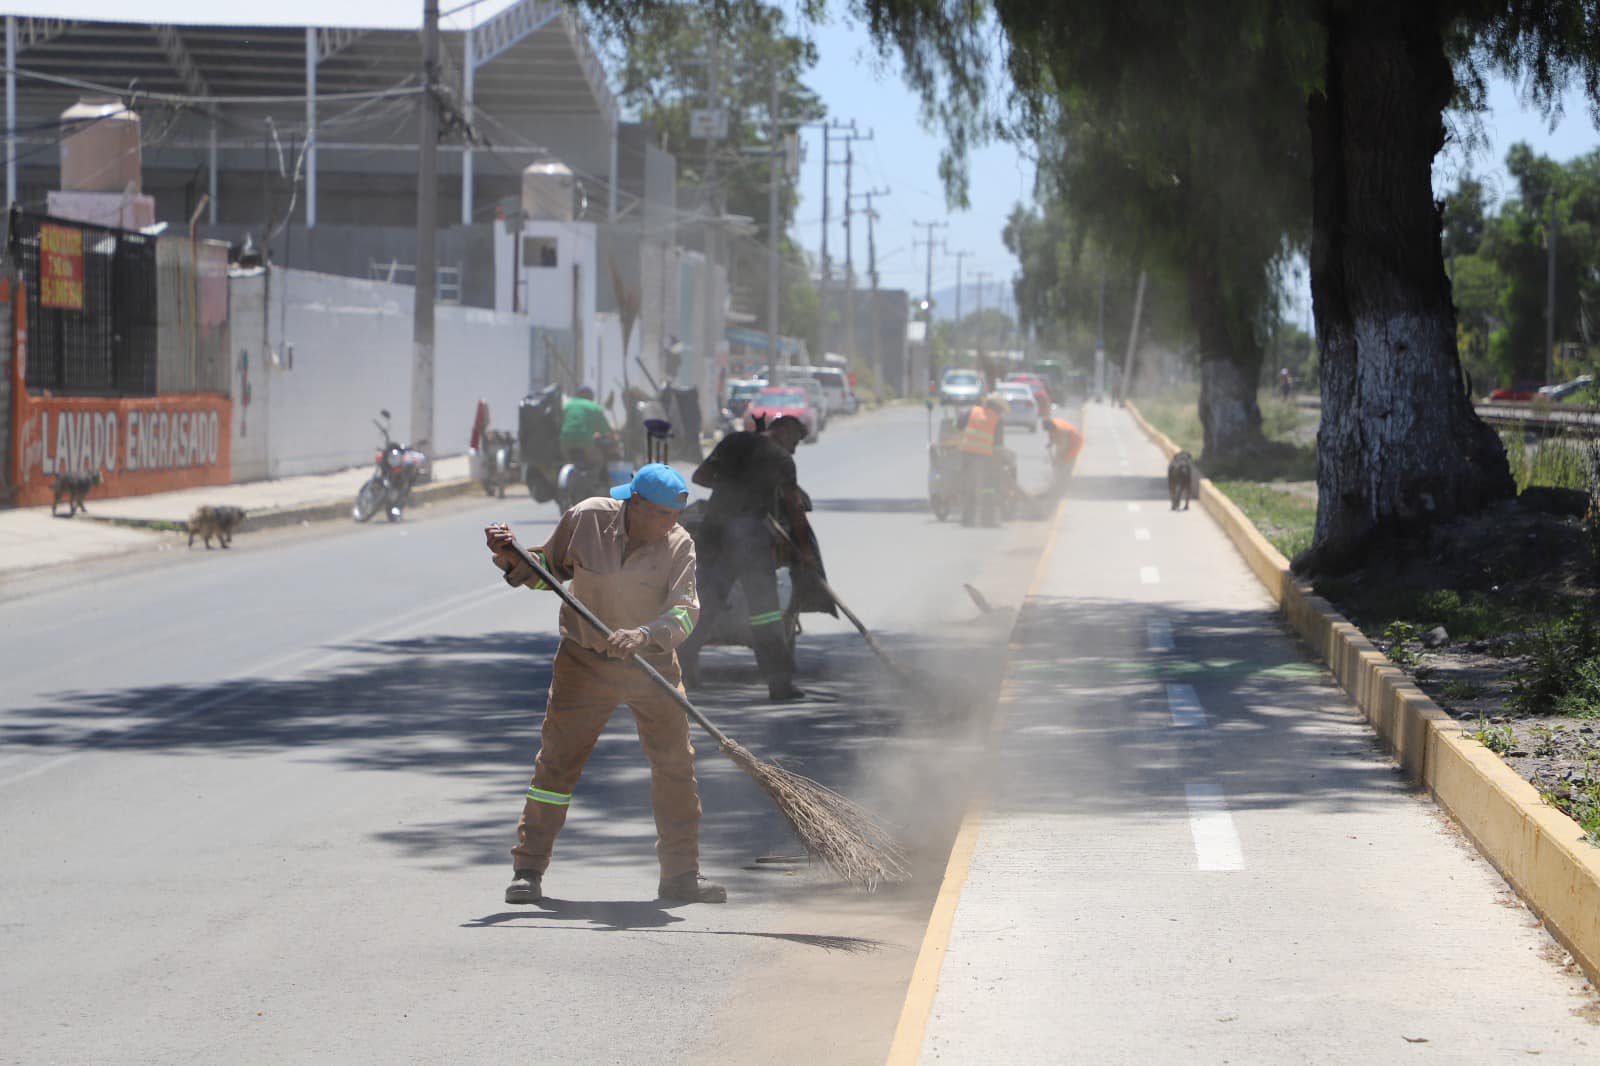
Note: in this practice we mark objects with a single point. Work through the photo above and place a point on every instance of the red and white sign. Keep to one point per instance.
(61, 267)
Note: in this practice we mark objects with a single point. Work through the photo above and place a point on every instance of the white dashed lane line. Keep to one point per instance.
(1141, 534)
(1149, 575)
(1216, 842)
(1185, 707)
(1133, 507)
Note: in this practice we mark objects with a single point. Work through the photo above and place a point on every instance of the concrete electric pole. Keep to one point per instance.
(427, 205)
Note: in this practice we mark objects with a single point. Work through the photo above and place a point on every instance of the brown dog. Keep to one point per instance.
(219, 522)
(1180, 479)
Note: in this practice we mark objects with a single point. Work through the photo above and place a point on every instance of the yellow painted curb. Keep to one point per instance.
(1539, 850)
(906, 1047)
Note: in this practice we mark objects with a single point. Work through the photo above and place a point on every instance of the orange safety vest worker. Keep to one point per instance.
(1066, 437)
(977, 438)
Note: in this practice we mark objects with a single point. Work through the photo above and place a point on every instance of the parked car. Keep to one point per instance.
(1514, 394)
(813, 389)
(740, 390)
(960, 388)
(1021, 409)
(1041, 392)
(776, 400)
(1567, 388)
(835, 388)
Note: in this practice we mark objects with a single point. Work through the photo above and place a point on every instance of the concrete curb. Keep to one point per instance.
(310, 512)
(1537, 848)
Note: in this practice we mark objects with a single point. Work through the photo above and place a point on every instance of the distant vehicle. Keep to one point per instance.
(960, 388)
(803, 380)
(776, 400)
(1041, 393)
(1054, 375)
(1514, 394)
(1021, 408)
(1567, 388)
(836, 388)
(740, 390)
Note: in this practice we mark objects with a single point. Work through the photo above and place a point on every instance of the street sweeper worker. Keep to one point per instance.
(981, 434)
(630, 563)
(751, 477)
(1065, 441)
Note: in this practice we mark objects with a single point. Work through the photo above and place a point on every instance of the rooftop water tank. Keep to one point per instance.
(100, 147)
(549, 191)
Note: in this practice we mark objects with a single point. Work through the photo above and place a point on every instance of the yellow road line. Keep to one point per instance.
(909, 1032)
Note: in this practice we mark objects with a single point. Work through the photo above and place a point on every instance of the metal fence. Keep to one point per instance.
(107, 345)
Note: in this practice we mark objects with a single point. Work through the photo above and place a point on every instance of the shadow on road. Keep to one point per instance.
(629, 916)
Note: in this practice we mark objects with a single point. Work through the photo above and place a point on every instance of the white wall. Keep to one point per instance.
(339, 349)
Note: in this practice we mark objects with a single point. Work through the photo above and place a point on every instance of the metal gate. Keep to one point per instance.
(105, 346)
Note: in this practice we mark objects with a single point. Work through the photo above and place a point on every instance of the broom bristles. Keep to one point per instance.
(847, 837)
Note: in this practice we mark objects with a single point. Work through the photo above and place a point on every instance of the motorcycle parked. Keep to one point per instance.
(492, 455)
(399, 467)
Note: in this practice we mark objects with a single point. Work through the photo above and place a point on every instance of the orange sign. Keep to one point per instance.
(61, 267)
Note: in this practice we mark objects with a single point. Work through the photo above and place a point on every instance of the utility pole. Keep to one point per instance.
(427, 204)
(874, 349)
(774, 150)
(1550, 294)
(977, 340)
(959, 257)
(849, 244)
(714, 215)
(928, 243)
(828, 137)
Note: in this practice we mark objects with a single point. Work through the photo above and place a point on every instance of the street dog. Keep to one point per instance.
(219, 522)
(1180, 479)
(73, 488)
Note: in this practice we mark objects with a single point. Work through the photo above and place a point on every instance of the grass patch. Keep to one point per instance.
(1462, 691)
(1177, 414)
(1562, 675)
(1470, 617)
(1580, 801)
(1556, 462)
(1285, 519)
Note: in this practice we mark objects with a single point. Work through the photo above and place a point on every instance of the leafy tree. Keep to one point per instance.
(665, 70)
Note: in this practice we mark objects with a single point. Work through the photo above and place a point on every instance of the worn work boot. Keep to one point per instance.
(525, 887)
(691, 888)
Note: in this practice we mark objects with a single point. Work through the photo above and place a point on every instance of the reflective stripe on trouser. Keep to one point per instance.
(743, 556)
(584, 689)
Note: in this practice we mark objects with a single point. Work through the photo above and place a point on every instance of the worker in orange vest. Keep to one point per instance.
(1066, 441)
(981, 434)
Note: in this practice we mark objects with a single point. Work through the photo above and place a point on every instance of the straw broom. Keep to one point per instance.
(842, 834)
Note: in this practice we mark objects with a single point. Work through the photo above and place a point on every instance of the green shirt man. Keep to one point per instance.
(581, 419)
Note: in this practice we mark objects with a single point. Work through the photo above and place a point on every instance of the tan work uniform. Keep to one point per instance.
(650, 586)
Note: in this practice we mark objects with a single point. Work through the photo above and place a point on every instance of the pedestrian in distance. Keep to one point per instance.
(630, 563)
(752, 477)
(982, 433)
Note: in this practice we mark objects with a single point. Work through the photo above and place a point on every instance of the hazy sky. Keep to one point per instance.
(903, 157)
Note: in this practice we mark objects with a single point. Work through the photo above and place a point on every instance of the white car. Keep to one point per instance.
(960, 388)
(836, 387)
(1021, 408)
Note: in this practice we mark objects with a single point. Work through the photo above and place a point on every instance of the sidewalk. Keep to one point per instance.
(31, 539)
(1192, 850)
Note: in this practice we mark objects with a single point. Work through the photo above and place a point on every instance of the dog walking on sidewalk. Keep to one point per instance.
(1180, 480)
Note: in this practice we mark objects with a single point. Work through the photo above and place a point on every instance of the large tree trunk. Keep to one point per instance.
(1230, 369)
(1400, 445)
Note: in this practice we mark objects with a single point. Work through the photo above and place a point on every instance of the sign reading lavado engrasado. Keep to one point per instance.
(151, 444)
(61, 267)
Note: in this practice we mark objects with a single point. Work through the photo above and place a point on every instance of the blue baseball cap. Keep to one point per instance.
(657, 483)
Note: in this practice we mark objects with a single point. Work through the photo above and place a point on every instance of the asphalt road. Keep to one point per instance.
(256, 806)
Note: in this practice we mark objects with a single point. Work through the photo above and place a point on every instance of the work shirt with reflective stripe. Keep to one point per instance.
(650, 586)
(979, 433)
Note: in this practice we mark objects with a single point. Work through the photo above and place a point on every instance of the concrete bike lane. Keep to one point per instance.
(1193, 850)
